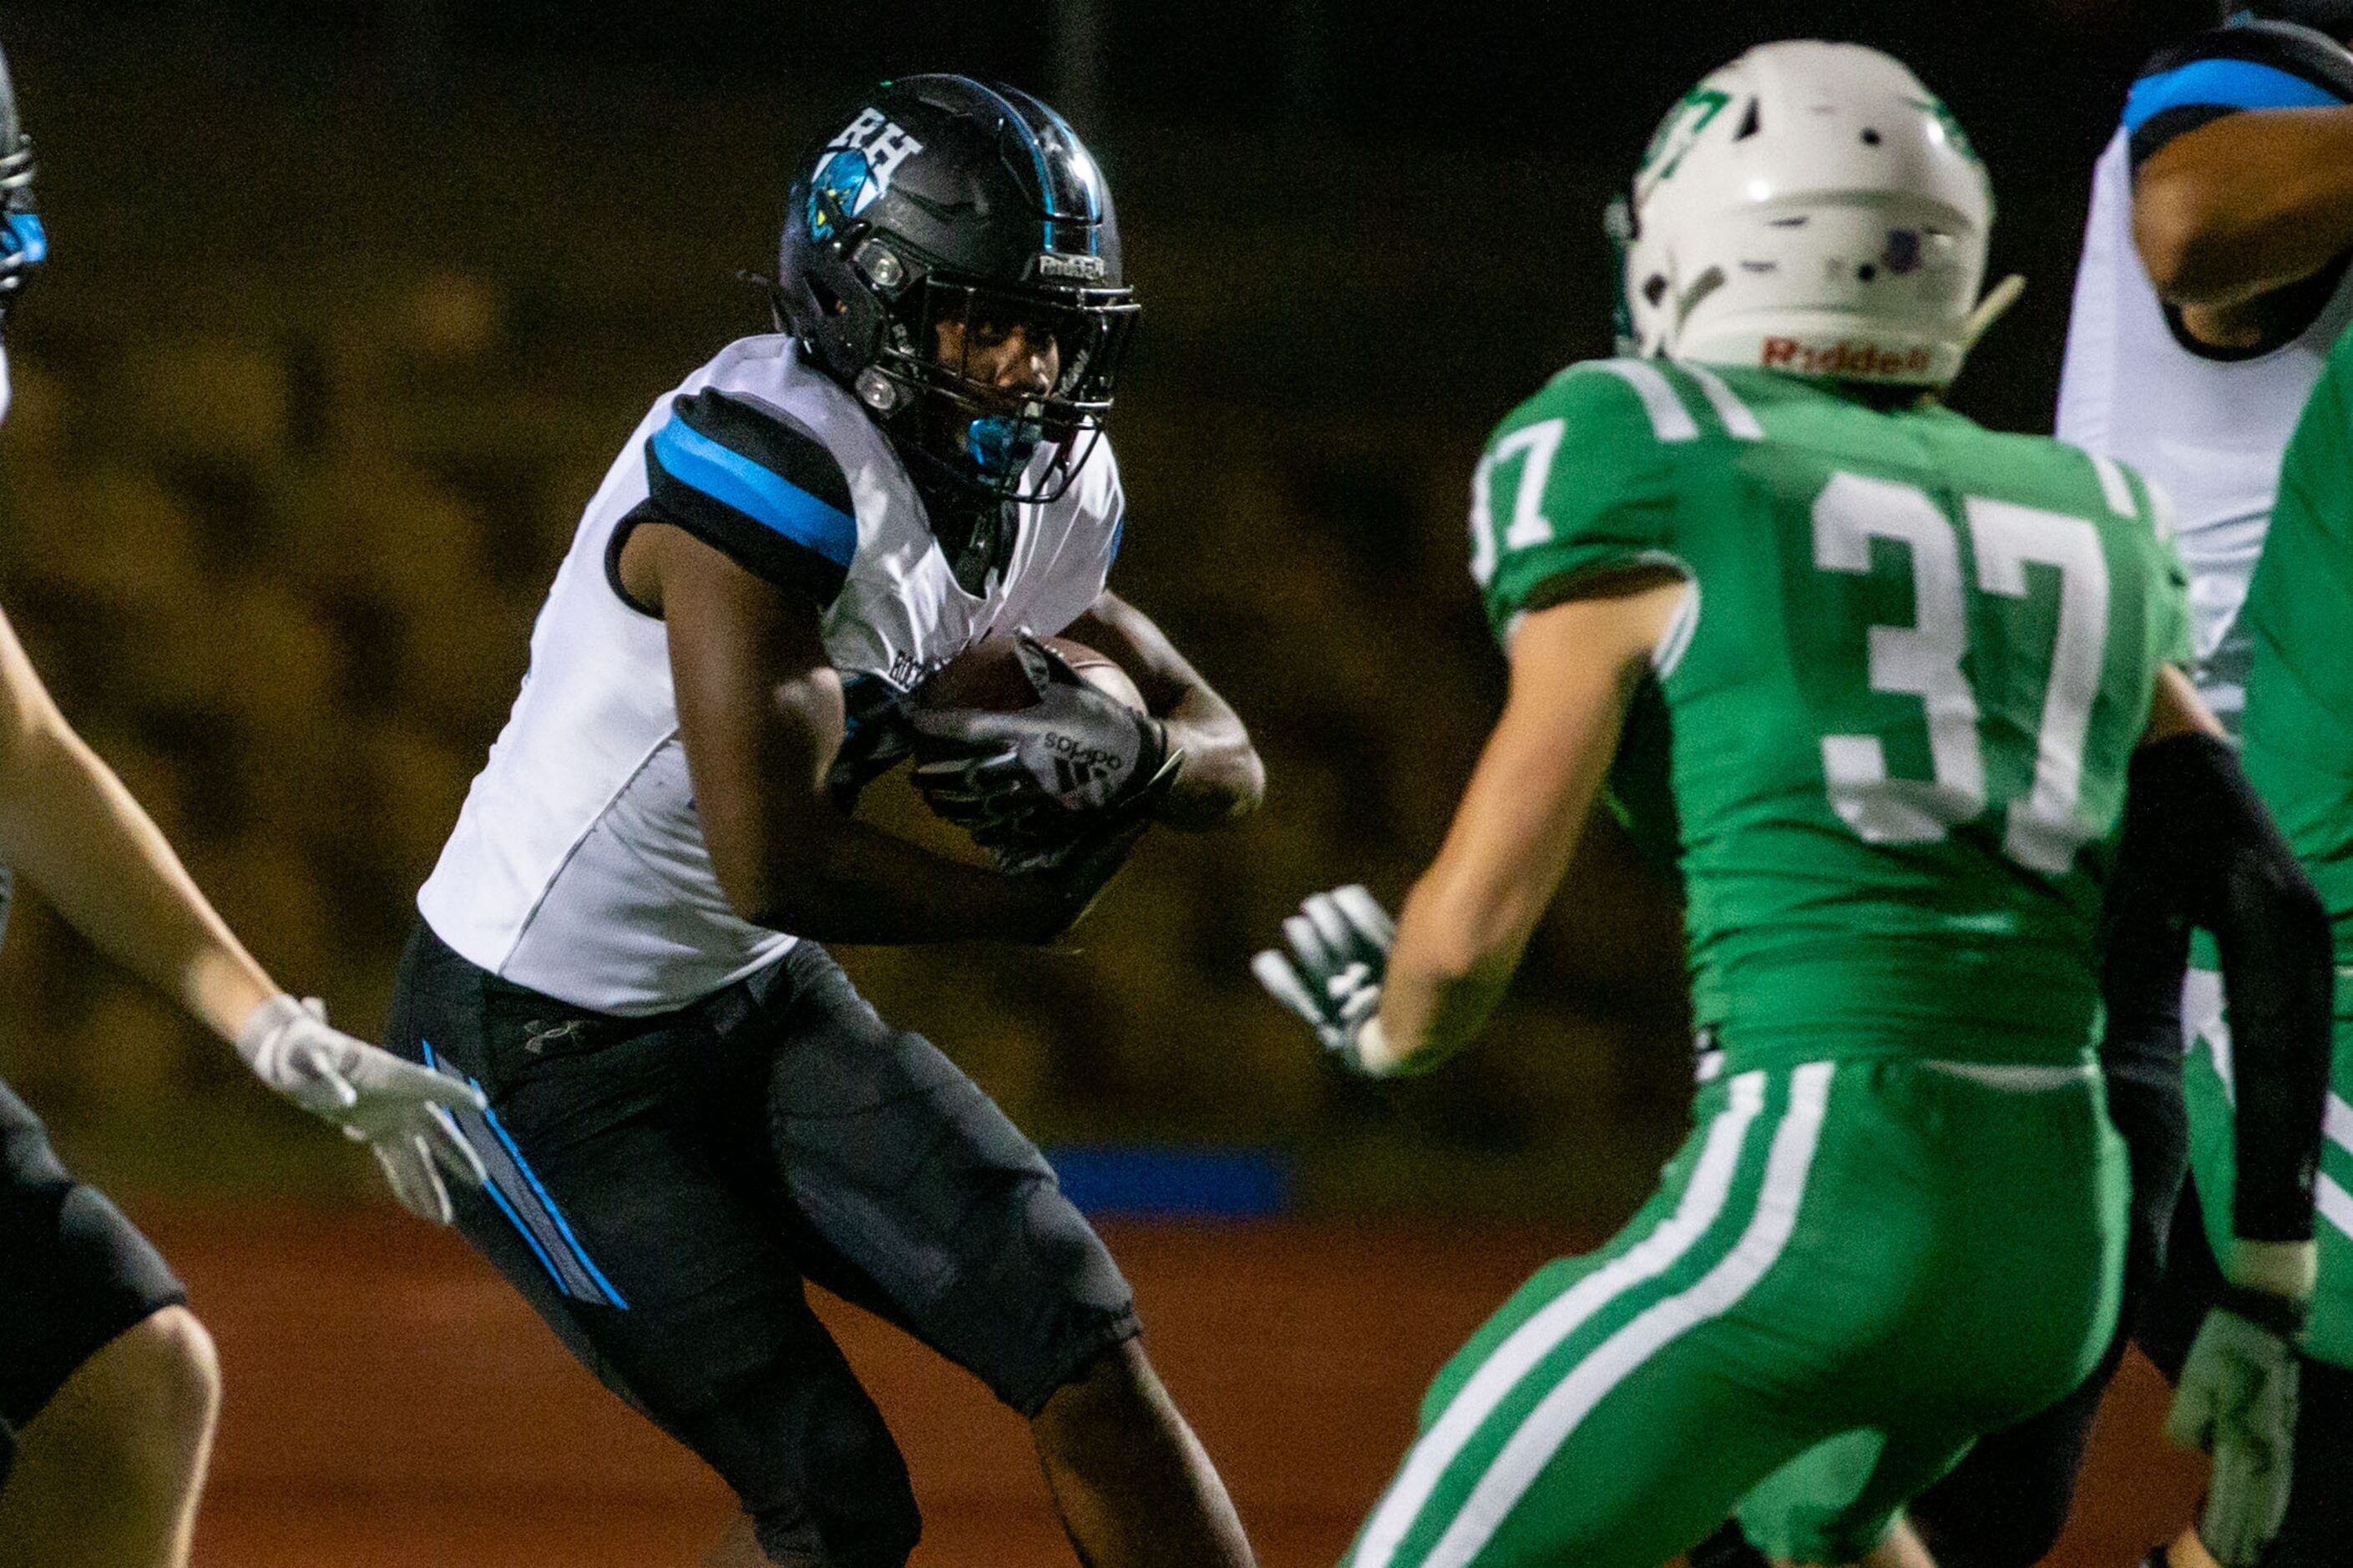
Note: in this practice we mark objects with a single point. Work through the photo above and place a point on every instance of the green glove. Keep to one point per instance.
(2237, 1400)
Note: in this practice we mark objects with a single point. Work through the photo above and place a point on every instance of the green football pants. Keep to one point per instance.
(2213, 1149)
(1851, 1270)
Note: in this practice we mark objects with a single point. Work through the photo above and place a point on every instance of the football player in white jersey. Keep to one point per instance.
(108, 1383)
(691, 1111)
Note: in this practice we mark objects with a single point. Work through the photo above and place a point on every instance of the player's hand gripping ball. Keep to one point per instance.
(1332, 977)
(1030, 743)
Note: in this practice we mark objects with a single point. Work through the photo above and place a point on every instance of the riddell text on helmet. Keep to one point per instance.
(1841, 358)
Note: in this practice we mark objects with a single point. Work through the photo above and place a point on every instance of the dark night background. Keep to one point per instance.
(353, 303)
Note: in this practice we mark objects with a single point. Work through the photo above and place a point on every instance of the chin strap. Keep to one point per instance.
(1991, 309)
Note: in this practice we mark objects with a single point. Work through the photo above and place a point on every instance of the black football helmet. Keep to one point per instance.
(949, 204)
(2334, 17)
(23, 244)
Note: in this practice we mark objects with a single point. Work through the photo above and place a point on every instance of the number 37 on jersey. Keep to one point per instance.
(1900, 622)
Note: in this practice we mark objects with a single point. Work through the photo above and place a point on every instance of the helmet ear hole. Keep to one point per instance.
(1655, 288)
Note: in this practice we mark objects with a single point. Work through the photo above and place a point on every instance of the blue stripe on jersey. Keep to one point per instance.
(693, 458)
(2228, 84)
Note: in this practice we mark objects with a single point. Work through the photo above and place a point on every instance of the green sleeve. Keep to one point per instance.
(1575, 480)
(2172, 638)
(2300, 605)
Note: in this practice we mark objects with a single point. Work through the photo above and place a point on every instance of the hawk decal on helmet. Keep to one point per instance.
(855, 169)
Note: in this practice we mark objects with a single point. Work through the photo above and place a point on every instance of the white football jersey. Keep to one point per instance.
(2209, 428)
(577, 867)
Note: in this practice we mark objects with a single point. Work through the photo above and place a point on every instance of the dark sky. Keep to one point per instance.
(1543, 70)
(1476, 135)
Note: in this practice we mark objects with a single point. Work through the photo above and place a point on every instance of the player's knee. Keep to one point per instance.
(1113, 1395)
(167, 1382)
(139, 1413)
(827, 1488)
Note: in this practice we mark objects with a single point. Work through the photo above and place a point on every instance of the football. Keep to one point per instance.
(988, 675)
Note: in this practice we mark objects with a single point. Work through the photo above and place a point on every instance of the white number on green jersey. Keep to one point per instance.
(1538, 444)
(1924, 659)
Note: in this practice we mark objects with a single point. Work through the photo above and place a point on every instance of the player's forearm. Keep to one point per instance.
(1222, 779)
(2246, 204)
(1451, 964)
(72, 828)
(2196, 833)
(841, 880)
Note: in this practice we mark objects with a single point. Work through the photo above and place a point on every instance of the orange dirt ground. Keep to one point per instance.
(392, 1406)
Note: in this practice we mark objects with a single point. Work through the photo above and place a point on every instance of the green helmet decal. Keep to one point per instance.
(1681, 129)
(1953, 131)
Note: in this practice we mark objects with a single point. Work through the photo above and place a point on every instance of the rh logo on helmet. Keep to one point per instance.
(855, 169)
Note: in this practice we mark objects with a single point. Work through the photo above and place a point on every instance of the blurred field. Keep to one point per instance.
(392, 1406)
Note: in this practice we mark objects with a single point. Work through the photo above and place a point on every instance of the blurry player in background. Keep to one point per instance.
(2297, 741)
(692, 1110)
(108, 1384)
(2214, 280)
(1885, 685)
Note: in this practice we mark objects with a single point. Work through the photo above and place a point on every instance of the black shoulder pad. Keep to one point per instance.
(2255, 64)
(752, 482)
(2283, 46)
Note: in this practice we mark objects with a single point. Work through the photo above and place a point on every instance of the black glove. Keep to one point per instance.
(1025, 780)
(1072, 870)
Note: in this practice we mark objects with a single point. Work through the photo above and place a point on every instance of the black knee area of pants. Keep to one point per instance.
(2006, 1504)
(816, 1469)
(952, 1221)
(77, 1274)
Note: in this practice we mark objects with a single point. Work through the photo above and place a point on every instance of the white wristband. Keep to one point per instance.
(1373, 1049)
(263, 1022)
(2289, 1269)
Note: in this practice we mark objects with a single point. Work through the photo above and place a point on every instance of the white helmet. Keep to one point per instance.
(1811, 207)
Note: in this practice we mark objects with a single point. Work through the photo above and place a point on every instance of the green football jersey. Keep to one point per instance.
(2298, 727)
(1887, 740)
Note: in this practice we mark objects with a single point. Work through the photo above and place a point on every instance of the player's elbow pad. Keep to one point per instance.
(2202, 839)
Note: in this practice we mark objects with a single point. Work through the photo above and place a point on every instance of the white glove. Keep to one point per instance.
(1339, 956)
(395, 1108)
(2237, 1399)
